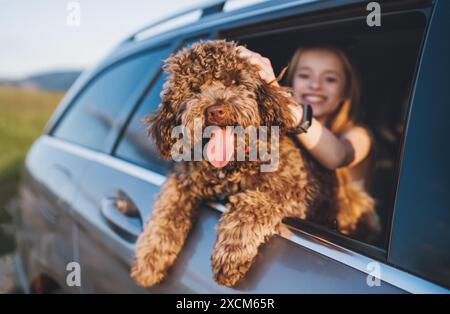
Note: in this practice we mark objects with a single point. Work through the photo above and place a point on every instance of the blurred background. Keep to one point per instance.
(43, 49)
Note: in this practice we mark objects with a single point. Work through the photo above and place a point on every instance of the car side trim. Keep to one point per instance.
(113, 162)
(367, 265)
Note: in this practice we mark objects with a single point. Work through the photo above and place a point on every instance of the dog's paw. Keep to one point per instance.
(230, 265)
(146, 275)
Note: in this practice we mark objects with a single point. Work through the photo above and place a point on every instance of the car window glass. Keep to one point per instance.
(135, 145)
(94, 112)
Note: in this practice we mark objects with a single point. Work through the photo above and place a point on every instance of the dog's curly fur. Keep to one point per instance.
(204, 74)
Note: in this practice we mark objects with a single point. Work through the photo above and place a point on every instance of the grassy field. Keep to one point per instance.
(23, 115)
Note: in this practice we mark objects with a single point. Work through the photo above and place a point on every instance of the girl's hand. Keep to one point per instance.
(267, 75)
(265, 67)
(297, 113)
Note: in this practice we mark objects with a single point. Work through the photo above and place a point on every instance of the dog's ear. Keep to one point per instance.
(160, 125)
(273, 103)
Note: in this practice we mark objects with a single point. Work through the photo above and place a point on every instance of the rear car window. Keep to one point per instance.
(135, 146)
(95, 111)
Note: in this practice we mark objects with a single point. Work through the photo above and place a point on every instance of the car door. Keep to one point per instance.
(45, 243)
(105, 235)
(56, 162)
(59, 159)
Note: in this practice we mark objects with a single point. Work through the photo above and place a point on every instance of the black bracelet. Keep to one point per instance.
(305, 124)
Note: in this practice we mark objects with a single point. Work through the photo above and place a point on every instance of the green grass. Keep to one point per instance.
(23, 115)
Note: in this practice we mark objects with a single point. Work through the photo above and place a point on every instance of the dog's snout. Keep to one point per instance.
(215, 114)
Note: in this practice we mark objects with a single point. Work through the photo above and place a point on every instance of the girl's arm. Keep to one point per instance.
(331, 151)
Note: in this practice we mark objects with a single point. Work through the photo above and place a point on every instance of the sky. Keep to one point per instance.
(36, 36)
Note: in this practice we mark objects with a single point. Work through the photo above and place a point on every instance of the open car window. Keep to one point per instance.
(386, 59)
(135, 145)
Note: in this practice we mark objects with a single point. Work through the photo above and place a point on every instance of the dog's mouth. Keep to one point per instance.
(222, 145)
(220, 148)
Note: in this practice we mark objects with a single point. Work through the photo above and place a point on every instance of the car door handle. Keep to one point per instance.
(123, 216)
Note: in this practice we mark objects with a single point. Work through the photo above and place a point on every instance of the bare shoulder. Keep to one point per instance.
(358, 133)
(361, 140)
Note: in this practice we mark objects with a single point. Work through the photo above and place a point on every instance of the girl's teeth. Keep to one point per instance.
(313, 98)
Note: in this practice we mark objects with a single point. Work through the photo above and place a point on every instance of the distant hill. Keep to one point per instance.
(53, 81)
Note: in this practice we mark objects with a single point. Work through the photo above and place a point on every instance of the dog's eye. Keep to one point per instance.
(194, 87)
(234, 82)
(234, 78)
(237, 79)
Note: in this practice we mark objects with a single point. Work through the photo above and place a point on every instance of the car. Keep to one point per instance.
(95, 151)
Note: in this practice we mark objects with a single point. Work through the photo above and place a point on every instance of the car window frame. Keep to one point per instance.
(378, 253)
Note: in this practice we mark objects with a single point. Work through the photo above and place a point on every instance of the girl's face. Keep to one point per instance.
(319, 80)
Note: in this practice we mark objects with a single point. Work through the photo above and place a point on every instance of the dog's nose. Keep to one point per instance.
(215, 114)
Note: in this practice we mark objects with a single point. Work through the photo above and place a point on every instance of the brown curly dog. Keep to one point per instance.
(210, 82)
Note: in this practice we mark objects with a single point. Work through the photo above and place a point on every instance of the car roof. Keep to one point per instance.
(215, 20)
